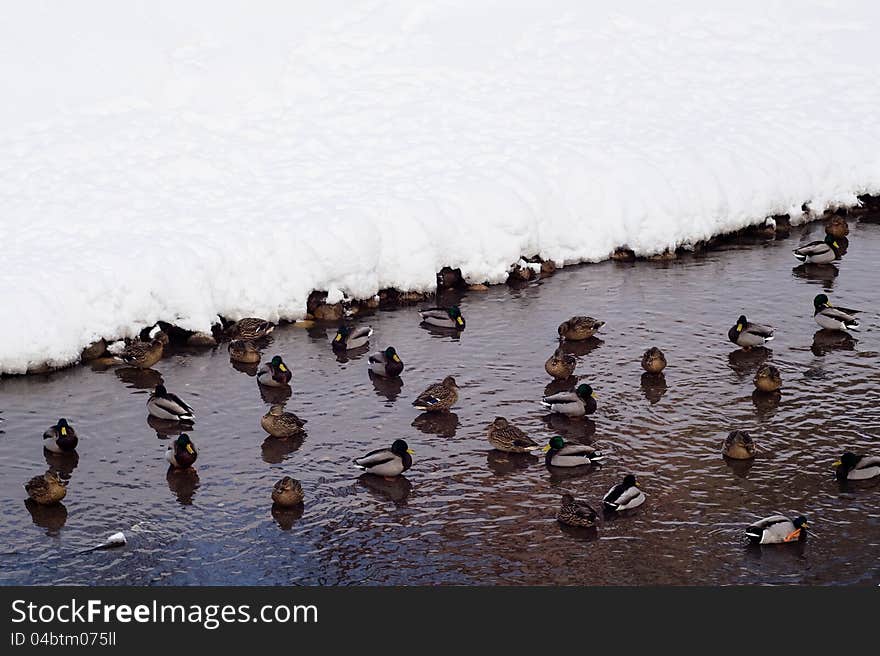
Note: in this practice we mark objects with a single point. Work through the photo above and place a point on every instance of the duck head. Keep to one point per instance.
(449, 381)
(832, 241)
(342, 334)
(500, 423)
(183, 442)
(278, 363)
(62, 426)
(556, 444)
(391, 354)
(400, 447)
(821, 301)
(584, 391)
(455, 315)
(845, 464)
(630, 481)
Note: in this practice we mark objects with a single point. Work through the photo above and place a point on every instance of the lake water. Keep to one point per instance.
(464, 513)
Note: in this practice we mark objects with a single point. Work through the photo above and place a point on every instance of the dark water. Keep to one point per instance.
(466, 514)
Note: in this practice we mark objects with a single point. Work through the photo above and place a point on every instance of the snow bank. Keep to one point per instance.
(183, 160)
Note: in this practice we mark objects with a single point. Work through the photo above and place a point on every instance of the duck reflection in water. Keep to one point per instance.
(502, 463)
(165, 428)
(52, 518)
(183, 483)
(62, 464)
(582, 347)
(275, 395)
(395, 489)
(745, 363)
(573, 429)
(561, 385)
(826, 341)
(286, 517)
(766, 403)
(248, 368)
(653, 386)
(276, 450)
(139, 378)
(443, 424)
(389, 387)
(823, 274)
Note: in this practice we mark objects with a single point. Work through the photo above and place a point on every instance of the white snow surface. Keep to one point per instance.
(180, 161)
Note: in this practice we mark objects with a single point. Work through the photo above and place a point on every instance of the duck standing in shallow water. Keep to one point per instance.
(624, 496)
(438, 397)
(576, 513)
(251, 328)
(60, 438)
(181, 453)
(777, 529)
(653, 360)
(833, 318)
(287, 492)
(503, 436)
(348, 338)
(386, 363)
(739, 445)
(243, 351)
(274, 373)
(441, 317)
(387, 462)
(768, 379)
(855, 467)
(558, 453)
(143, 355)
(579, 328)
(560, 365)
(164, 405)
(578, 403)
(819, 252)
(279, 423)
(47, 489)
(748, 335)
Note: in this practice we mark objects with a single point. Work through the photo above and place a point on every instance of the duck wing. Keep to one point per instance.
(560, 397)
(813, 248)
(434, 313)
(375, 458)
(758, 329)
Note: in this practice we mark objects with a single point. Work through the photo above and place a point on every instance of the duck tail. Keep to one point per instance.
(852, 325)
(598, 456)
(769, 338)
(800, 257)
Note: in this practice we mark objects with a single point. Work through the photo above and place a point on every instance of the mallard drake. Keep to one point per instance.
(387, 462)
(251, 328)
(510, 439)
(576, 513)
(46, 490)
(386, 363)
(439, 396)
(60, 438)
(572, 404)
(739, 445)
(624, 496)
(274, 373)
(181, 453)
(777, 529)
(747, 334)
(561, 365)
(562, 454)
(287, 492)
(579, 328)
(653, 360)
(768, 378)
(819, 252)
(833, 318)
(244, 351)
(279, 423)
(349, 338)
(164, 405)
(143, 354)
(441, 317)
(856, 467)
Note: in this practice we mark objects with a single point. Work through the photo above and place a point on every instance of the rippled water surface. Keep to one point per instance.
(464, 513)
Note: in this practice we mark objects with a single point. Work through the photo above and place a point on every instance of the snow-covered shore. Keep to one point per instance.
(180, 162)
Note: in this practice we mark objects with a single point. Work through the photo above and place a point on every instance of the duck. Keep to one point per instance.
(287, 492)
(181, 453)
(747, 334)
(164, 405)
(385, 363)
(653, 360)
(251, 328)
(768, 378)
(833, 318)
(143, 355)
(562, 454)
(47, 489)
(443, 317)
(856, 467)
(819, 252)
(279, 423)
(777, 529)
(560, 365)
(572, 404)
(624, 496)
(739, 445)
(439, 396)
(274, 373)
(508, 438)
(244, 351)
(579, 328)
(573, 512)
(348, 338)
(387, 462)
(60, 438)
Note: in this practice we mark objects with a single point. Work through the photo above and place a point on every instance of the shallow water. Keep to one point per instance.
(464, 513)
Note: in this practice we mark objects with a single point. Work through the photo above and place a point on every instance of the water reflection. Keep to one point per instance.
(395, 489)
(275, 395)
(580, 533)
(740, 468)
(248, 368)
(146, 379)
(183, 483)
(560, 385)
(766, 403)
(348, 355)
(390, 388)
(286, 517)
(582, 347)
(441, 333)
(745, 363)
(502, 463)
(165, 428)
(826, 341)
(818, 273)
(576, 429)
(276, 450)
(443, 424)
(52, 518)
(62, 464)
(653, 386)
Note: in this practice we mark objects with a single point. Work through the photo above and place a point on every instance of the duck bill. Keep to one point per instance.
(545, 449)
(411, 452)
(836, 464)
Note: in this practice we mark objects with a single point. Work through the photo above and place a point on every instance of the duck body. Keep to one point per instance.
(143, 354)
(442, 317)
(739, 445)
(560, 365)
(579, 328)
(387, 462)
(181, 453)
(653, 360)
(767, 378)
(777, 529)
(46, 490)
(385, 363)
(349, 338)
(856, 467)
(624, 496)
(287, 492)
(438, 397)
(830, 317)
(819, 252)
(164, 405)
(573, 512)
(279, 423)
(559, 453)
(274, 373)
(251, 328)
(60, 438)
(572, 404)
(505, 437)
(748, 335)
(243, 351)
